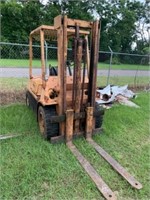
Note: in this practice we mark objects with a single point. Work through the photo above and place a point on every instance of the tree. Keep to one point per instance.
(120, 19)
(143, 29)
(78, 9)
(32, 13)
(51, 10)
(18, 18)
(11, 22)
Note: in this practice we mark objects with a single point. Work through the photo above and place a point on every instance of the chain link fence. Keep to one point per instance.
(113, 68)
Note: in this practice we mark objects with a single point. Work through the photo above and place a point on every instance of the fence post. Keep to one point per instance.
(110, 64)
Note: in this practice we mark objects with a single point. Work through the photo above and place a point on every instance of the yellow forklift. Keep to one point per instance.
(64, 99)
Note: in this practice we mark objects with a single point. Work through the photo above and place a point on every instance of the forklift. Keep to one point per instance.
(64, 97)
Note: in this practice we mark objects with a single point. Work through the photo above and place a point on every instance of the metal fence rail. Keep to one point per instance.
(14, 62)
(21, 51)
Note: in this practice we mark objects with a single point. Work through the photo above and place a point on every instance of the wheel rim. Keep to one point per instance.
(41, 123)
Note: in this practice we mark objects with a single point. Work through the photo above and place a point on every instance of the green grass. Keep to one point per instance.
(116, 80)
(13, 83)
(24, 63)
(124, 66)
(21, 83)
(35, 169)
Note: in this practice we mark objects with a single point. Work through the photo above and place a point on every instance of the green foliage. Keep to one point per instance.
(146, 50)
(50, 11)
(32, 13)
(118, 19)
(18, 19)
(143, 25)
(128, 59)
(12, 23)
(115, 61)
(78, 9)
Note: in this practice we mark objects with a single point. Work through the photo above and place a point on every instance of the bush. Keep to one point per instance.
(115, 61)
(127, 60)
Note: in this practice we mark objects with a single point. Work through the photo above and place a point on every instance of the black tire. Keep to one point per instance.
(31, 102)
(99, 119)
(47, 129)
(27, 100)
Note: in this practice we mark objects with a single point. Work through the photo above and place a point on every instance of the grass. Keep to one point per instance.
(124, 66)
(24, 63)
(13, 83)
(35, 169)
(116, 80)
(21, 83)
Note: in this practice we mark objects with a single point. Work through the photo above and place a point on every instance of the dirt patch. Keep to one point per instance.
(14, 96)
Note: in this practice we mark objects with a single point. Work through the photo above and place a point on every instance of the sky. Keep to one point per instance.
(44, 2)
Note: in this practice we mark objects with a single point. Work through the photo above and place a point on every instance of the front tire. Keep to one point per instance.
(98, 119)
(47, 129)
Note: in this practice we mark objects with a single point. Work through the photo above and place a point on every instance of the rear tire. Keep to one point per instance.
(27, 100)
(98, 119)
(47, 129)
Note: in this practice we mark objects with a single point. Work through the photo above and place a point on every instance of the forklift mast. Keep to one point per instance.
(62, 24)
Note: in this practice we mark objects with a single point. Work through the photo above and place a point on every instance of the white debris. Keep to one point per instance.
(125, 101)
(3, 137)
(115, 93)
